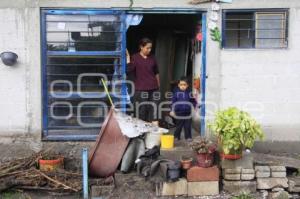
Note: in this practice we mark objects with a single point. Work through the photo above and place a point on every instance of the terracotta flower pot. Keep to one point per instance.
(51, 165)
(186, 162)
(233, 155)
(205, 159)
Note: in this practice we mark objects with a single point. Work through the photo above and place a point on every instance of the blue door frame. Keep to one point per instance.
(44, 54)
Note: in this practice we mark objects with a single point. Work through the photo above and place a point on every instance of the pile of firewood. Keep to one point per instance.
(24, 174)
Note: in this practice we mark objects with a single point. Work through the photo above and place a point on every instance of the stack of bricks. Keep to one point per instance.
(272, 180)
(238, 175)
(203, 181)
(199, 182)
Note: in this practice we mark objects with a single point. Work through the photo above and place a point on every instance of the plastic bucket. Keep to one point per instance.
(152, 139)
(51, 165)
(167, 141)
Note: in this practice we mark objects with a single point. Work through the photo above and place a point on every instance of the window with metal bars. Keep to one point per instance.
(255, 29)
(79, 48)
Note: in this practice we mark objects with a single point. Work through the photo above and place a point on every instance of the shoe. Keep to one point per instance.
(189, 140)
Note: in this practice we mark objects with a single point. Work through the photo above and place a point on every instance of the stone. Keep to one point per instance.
(232, 171)
(278, 174)
(277, 189)
(262, 168)
(236, 187)
(247, 176)
(278, 168)
(260, 174)
(270, 183)
(104, 190)
(248, 171)
(232, 176)
(203, 188)
(245, 162)
(199, 174)
(177, 188)
(294, 184)
(264, 194)
(280, 195)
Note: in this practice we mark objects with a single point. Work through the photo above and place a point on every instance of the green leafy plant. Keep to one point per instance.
(235, 129)
(216, 35)
(243, 196)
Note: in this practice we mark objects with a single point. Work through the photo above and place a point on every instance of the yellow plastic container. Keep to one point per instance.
(167, 141)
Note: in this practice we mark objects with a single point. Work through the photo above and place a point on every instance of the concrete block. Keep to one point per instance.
(232, 171)
(245, 162)
(246, 176)
(270, 183)
(294, 185)
(177, 188)
(203, 188)
(278, 168)
(236, 187)
(248, 171)
(260, 174)
(199, 174)
(232, 176)
(278, 174)
(262, 168)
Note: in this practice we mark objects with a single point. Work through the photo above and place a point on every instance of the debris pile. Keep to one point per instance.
(24, 174)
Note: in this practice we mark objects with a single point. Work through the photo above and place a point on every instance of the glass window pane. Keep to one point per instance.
(270, 30)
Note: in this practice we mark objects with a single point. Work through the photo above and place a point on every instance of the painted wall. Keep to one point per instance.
(235, 77)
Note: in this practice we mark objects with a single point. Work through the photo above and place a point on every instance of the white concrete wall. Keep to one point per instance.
(265, 82)
(235, 77)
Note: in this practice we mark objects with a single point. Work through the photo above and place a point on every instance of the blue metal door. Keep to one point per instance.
(79, 48)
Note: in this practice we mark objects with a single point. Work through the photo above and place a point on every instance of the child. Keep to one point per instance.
(182, 104)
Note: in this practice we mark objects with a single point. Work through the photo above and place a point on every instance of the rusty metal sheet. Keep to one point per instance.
(108, 151)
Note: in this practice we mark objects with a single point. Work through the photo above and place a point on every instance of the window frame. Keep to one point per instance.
(45, 53)
(254, 11)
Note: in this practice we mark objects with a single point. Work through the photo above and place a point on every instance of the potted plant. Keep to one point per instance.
(51, 162)
(186, 162)
(236, 130)
(204, 151)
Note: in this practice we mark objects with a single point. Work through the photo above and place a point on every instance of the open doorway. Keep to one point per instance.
(177, 49)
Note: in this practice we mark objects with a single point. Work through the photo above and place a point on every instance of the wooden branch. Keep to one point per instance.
(55, 181)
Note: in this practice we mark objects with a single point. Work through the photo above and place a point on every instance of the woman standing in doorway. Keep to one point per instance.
(144, 67)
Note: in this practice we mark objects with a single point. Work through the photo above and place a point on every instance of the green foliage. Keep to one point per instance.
(235, 129)
(216, 35)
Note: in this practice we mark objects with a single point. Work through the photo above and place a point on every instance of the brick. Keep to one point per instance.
(236, 187)
(199, 174)
(177, 188)
(278, 168)
(248, 171)
(232, 176)
(245, 162)
(278, 174)
(260, 174)
(232, 171)
(247, 176)
(270, 183)
(294, 185)
(203, 188)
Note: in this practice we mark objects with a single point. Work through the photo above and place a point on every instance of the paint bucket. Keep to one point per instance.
(167, 141)
(152, 139)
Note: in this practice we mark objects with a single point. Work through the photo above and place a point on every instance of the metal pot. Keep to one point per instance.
(9, 58)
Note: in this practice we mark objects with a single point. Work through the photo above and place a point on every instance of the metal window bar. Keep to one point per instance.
(253, 32)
